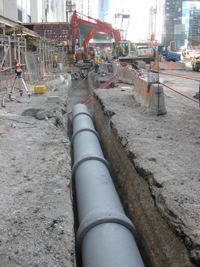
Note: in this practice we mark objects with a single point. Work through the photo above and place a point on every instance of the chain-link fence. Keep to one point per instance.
(34, 66)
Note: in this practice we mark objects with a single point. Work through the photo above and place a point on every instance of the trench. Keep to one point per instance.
(159, 246)
(76, 96)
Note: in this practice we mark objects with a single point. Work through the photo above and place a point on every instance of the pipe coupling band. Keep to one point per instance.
(97, 217)
(89, 157)
(81, 113)
(83, 130)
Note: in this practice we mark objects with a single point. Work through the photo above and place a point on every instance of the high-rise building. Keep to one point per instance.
(182, 23)
(27, 11)
(83, 7)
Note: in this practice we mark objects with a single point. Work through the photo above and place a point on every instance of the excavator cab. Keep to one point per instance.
(93, 52)
(120, 49)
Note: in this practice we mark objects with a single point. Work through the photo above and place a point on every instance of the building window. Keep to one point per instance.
(52, 5)
(28, 19)
(19, 14)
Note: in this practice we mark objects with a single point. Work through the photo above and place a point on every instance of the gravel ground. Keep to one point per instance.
(37, 222)
(164, 150)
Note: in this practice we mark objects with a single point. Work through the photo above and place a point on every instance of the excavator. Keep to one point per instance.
(88, 55)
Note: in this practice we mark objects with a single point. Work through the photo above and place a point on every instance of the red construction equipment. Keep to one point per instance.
(96, 25)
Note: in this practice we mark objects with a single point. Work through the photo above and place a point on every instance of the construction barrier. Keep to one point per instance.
(169, 65)
(34, 66)
(116, 67)
(127, 76)
(152, 97)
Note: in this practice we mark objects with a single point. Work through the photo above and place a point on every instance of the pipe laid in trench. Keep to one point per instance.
(105, 237)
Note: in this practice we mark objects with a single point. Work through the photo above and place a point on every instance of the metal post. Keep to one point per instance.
(199, 94)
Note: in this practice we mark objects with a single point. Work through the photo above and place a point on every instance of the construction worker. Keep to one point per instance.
(104, 57)
(121, 51)
(96, 64)
(55, 61)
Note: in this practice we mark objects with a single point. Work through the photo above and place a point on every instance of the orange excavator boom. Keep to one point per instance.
(96, 25)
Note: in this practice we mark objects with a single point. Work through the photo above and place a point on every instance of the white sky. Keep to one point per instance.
(139, 19)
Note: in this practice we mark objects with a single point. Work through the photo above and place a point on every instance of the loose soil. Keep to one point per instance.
(37, 220)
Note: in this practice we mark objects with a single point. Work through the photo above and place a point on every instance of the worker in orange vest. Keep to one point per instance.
(121, 51)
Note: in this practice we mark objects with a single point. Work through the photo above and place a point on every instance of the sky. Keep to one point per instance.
(139, 19)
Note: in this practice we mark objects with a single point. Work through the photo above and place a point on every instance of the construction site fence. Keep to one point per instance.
(6, 82)
(35, 66)
(34, 69)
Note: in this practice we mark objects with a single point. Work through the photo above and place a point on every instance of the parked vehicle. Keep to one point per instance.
(132, 53)
(196, 64)
(167, 54)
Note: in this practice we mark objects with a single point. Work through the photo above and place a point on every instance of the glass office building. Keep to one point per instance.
(182, 23)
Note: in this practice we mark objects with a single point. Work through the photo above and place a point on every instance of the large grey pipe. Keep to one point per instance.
(106, 237)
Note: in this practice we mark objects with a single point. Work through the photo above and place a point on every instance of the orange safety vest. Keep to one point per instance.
(96, 61)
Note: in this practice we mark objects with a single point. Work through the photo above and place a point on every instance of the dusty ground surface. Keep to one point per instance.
(37, 223)
(165, 150)
(37, 227)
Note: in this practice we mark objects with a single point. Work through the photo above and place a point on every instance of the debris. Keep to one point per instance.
(21, 121)
(4, 101)
(43, 115)
(13, 125)
(39, 114)
(28, 190)
(54, 99)
(196, 96)
(168, 96)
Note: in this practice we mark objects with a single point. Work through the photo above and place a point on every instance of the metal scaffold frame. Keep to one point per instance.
(11, 48)
(47, 49)
(14, 48)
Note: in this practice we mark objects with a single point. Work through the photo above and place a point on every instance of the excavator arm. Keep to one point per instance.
(87, 39)
(96, 25)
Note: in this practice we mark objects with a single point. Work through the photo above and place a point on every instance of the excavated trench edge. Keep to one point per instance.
(160, 245)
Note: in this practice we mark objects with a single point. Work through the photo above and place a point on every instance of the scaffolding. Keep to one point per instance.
(11, 49)
(34, 53)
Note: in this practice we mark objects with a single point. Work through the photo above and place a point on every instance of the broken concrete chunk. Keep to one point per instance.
(43, 114)
(54, 99)
(39, 114)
